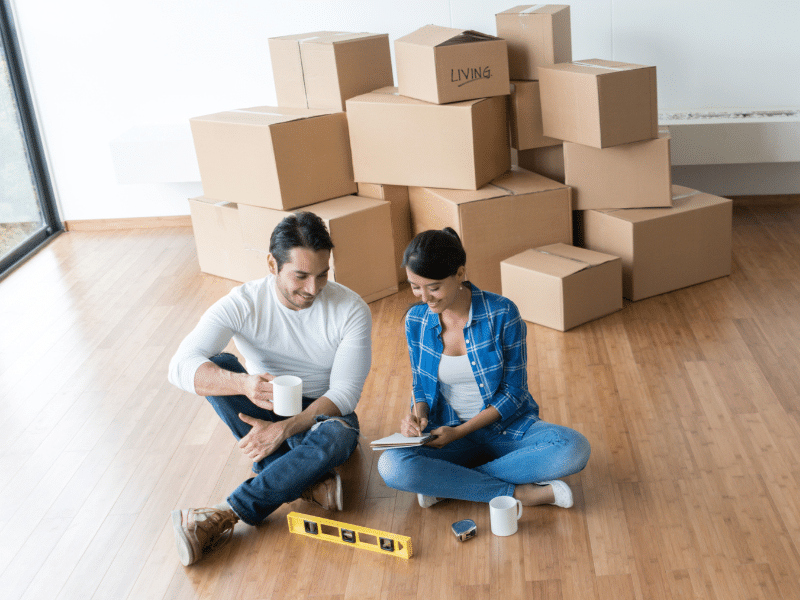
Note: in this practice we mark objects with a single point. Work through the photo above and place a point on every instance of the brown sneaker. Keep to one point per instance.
(326, 493)
(199, 530)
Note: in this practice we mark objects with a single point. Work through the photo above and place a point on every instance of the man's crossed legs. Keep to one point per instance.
(301, 468)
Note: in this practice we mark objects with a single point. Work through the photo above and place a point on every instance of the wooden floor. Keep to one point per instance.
(690, 401)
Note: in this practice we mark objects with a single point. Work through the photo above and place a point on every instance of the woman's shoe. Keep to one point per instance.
(561, 491)
(427, 501)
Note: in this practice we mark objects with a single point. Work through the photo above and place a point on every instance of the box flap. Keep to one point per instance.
(527, 9)
(683, 199)
(392, 95)
(342, 206)
(342, 37)
(584, 255)
(595, 66)
(434, 35)
(515, 182)
(303, 37)
(263, 115)
(546, 263)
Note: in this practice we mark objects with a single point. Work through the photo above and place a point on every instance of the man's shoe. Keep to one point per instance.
(326, 493)
(199, 530)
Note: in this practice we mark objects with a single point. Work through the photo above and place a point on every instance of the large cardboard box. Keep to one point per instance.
(324, 68)
(442, 64)
(547, 161)
(361, 229)
(537, 35)
(664, 249)
(219, 242)
(397, 140)
(599, 103)
(397, 197)
(274, 157)
(525, 117)
(635, 175)
(561, 286)
(516, 211)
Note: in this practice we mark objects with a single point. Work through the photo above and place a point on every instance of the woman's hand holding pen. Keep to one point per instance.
(412, 425)
(416, 421)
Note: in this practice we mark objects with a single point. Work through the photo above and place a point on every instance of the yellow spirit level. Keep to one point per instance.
(365, 538)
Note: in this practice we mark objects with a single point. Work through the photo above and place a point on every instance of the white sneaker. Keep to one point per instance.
(427, 501)
(561, 491)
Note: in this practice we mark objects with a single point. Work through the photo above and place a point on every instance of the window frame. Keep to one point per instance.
(32, 137)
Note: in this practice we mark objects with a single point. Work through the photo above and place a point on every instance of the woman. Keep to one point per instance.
(469, 367)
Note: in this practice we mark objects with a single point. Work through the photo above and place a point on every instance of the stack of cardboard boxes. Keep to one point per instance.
(437, 150)
(259, 164)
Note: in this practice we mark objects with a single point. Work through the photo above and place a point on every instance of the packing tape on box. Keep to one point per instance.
(682, 196)
(364, 538)
(577, 260)
(256, 112)
(533, 8)
(583, 64)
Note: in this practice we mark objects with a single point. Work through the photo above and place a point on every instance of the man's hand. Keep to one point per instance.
(259, 389)
(263, 438)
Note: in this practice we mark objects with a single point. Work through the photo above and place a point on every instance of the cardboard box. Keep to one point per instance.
(363, 256)
(398, 140)
(599, 103)
(537, 35)
(525, 117)
(561, 286)
(442, 64)
(547, 161)
(397, 197)
(516, 211)
(219, 241)
(664, 249)
(325, 68)
(635, 175)
(274, 157)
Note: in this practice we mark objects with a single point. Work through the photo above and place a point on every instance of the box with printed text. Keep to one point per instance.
(442, 64)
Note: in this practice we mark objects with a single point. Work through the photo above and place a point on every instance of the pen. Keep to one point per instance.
(414, 410)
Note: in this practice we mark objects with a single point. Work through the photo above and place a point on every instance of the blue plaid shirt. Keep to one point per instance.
(496, 345)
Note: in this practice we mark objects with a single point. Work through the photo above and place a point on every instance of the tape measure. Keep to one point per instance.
(337, 532)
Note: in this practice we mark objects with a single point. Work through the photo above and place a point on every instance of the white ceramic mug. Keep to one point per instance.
(504, 512)
(287, 395)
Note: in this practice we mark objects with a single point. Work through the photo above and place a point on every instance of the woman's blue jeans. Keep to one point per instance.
(545, 452)
(301, 461)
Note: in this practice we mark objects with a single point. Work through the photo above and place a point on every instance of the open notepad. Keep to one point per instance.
(398, 440)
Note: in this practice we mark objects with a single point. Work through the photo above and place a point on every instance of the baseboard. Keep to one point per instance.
(133, 223)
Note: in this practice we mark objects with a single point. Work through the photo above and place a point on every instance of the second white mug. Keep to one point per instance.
(504, 512)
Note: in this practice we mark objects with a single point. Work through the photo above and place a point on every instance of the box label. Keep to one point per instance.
(469, 75)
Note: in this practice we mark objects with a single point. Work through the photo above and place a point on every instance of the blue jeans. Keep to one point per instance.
(298, 463)
(545, 452)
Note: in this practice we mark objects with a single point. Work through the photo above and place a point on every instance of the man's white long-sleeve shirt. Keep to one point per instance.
(327, 345)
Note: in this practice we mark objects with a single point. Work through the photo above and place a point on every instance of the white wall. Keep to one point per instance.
(100, 68)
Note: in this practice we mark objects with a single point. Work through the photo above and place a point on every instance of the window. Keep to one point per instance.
(28, 216)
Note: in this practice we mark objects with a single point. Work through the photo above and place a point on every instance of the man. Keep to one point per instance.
(293, 322)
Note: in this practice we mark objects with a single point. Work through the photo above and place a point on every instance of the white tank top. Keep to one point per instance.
(458, 386)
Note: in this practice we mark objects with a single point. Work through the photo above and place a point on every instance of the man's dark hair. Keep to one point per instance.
(298, 230)
(435, 254)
